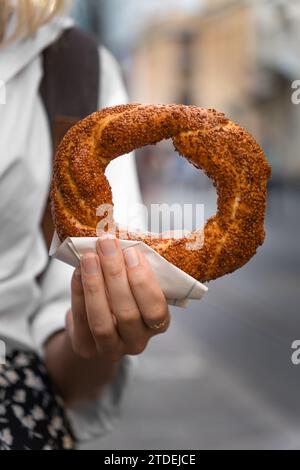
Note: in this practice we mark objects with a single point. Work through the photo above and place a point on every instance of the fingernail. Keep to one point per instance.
(77, 274)
(108, 246)
(90, 264)
(131, 257)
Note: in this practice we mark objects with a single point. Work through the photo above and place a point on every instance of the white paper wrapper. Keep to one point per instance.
(177, 286)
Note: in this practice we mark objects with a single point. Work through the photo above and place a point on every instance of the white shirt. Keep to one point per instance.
(31, 312)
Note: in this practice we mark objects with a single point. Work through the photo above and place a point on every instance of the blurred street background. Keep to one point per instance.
(222, 377)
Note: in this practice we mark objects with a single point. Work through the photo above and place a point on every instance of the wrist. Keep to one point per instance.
(75, 378)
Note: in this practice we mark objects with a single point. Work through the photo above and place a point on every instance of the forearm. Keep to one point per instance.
(75, 378)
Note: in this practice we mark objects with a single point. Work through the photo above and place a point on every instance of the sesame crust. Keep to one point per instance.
(228, 154)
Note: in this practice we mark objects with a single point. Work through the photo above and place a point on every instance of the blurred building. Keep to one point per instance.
(277, 24)
(224, 57)
(238, 56)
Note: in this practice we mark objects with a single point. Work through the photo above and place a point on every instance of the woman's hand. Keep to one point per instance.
(117, 303)
(117, 306)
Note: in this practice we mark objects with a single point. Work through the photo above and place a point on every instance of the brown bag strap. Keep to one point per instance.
(69, 89)
(70, 84)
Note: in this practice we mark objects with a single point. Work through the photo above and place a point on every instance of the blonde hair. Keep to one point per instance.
(29, 15)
